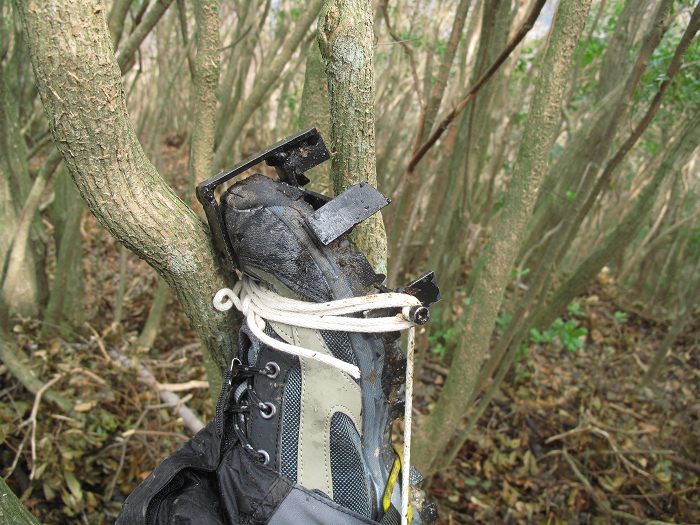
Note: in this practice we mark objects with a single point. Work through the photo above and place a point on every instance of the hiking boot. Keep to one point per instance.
(313, 423)
(302, 432)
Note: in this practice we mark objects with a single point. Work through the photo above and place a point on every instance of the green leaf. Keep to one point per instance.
(73, 485)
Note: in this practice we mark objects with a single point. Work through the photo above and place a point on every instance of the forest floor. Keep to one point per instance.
(570, 438)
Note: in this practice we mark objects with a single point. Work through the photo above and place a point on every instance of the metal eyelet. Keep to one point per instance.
(267, 410)
(264, 457)
(273, 370)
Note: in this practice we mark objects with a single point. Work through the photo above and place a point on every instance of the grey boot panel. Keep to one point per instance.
(308, 508)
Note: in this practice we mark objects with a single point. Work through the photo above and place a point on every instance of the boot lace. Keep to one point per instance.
(259, 304)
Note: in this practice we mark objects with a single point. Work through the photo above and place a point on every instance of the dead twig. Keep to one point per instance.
(100, 344)
(32, 419)
(189, 418)
(181, 387)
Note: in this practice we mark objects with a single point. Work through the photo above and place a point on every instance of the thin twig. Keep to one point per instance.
(32, 419)
(162, 433)
(100, 344)
(180, 387)
(189, 418)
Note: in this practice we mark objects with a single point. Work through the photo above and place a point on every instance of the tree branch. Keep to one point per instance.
(525, 28)
(80, 86)
(133, 42)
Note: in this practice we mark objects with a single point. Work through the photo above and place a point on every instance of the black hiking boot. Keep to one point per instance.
(313, 423)
(296, 440)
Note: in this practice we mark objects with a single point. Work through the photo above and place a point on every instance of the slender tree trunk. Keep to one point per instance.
(502, 247)
(315, 113)
(116, 18)
(206, 82)
(685, 312)
(23, 280)
(347, 46)
(65, 305)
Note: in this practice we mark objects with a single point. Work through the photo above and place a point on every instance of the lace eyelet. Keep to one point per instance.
(267, 410)
(273, 370)
(264, 457)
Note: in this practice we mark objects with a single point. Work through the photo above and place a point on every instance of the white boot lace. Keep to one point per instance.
(259, 304)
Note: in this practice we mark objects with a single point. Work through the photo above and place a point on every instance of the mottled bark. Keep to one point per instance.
(12, 512)
(80, 85)
(346, 40)
(207, 65)
(591, 142)
(315, 113)
(501, 249)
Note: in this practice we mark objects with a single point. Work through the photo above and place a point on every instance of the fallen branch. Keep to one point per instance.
(11, 358)
(189, 418)
(32, 419)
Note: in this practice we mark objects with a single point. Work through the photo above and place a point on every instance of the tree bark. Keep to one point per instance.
(315, 113)
(502, 247)
(346, 40)
(80, 86)
(207, 65)
(12, 512)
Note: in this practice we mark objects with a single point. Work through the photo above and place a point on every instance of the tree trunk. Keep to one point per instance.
(315, 113)
(12, 512)
(80, 85)
(206, 82)
(346, 40)
(622, 234)
(502, 247)
(25, 293)
(265, 80)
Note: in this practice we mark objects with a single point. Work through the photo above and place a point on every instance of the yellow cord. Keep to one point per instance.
(393, 477)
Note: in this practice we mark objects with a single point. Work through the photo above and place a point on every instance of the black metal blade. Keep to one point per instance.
(348, 209)
(425, 289)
